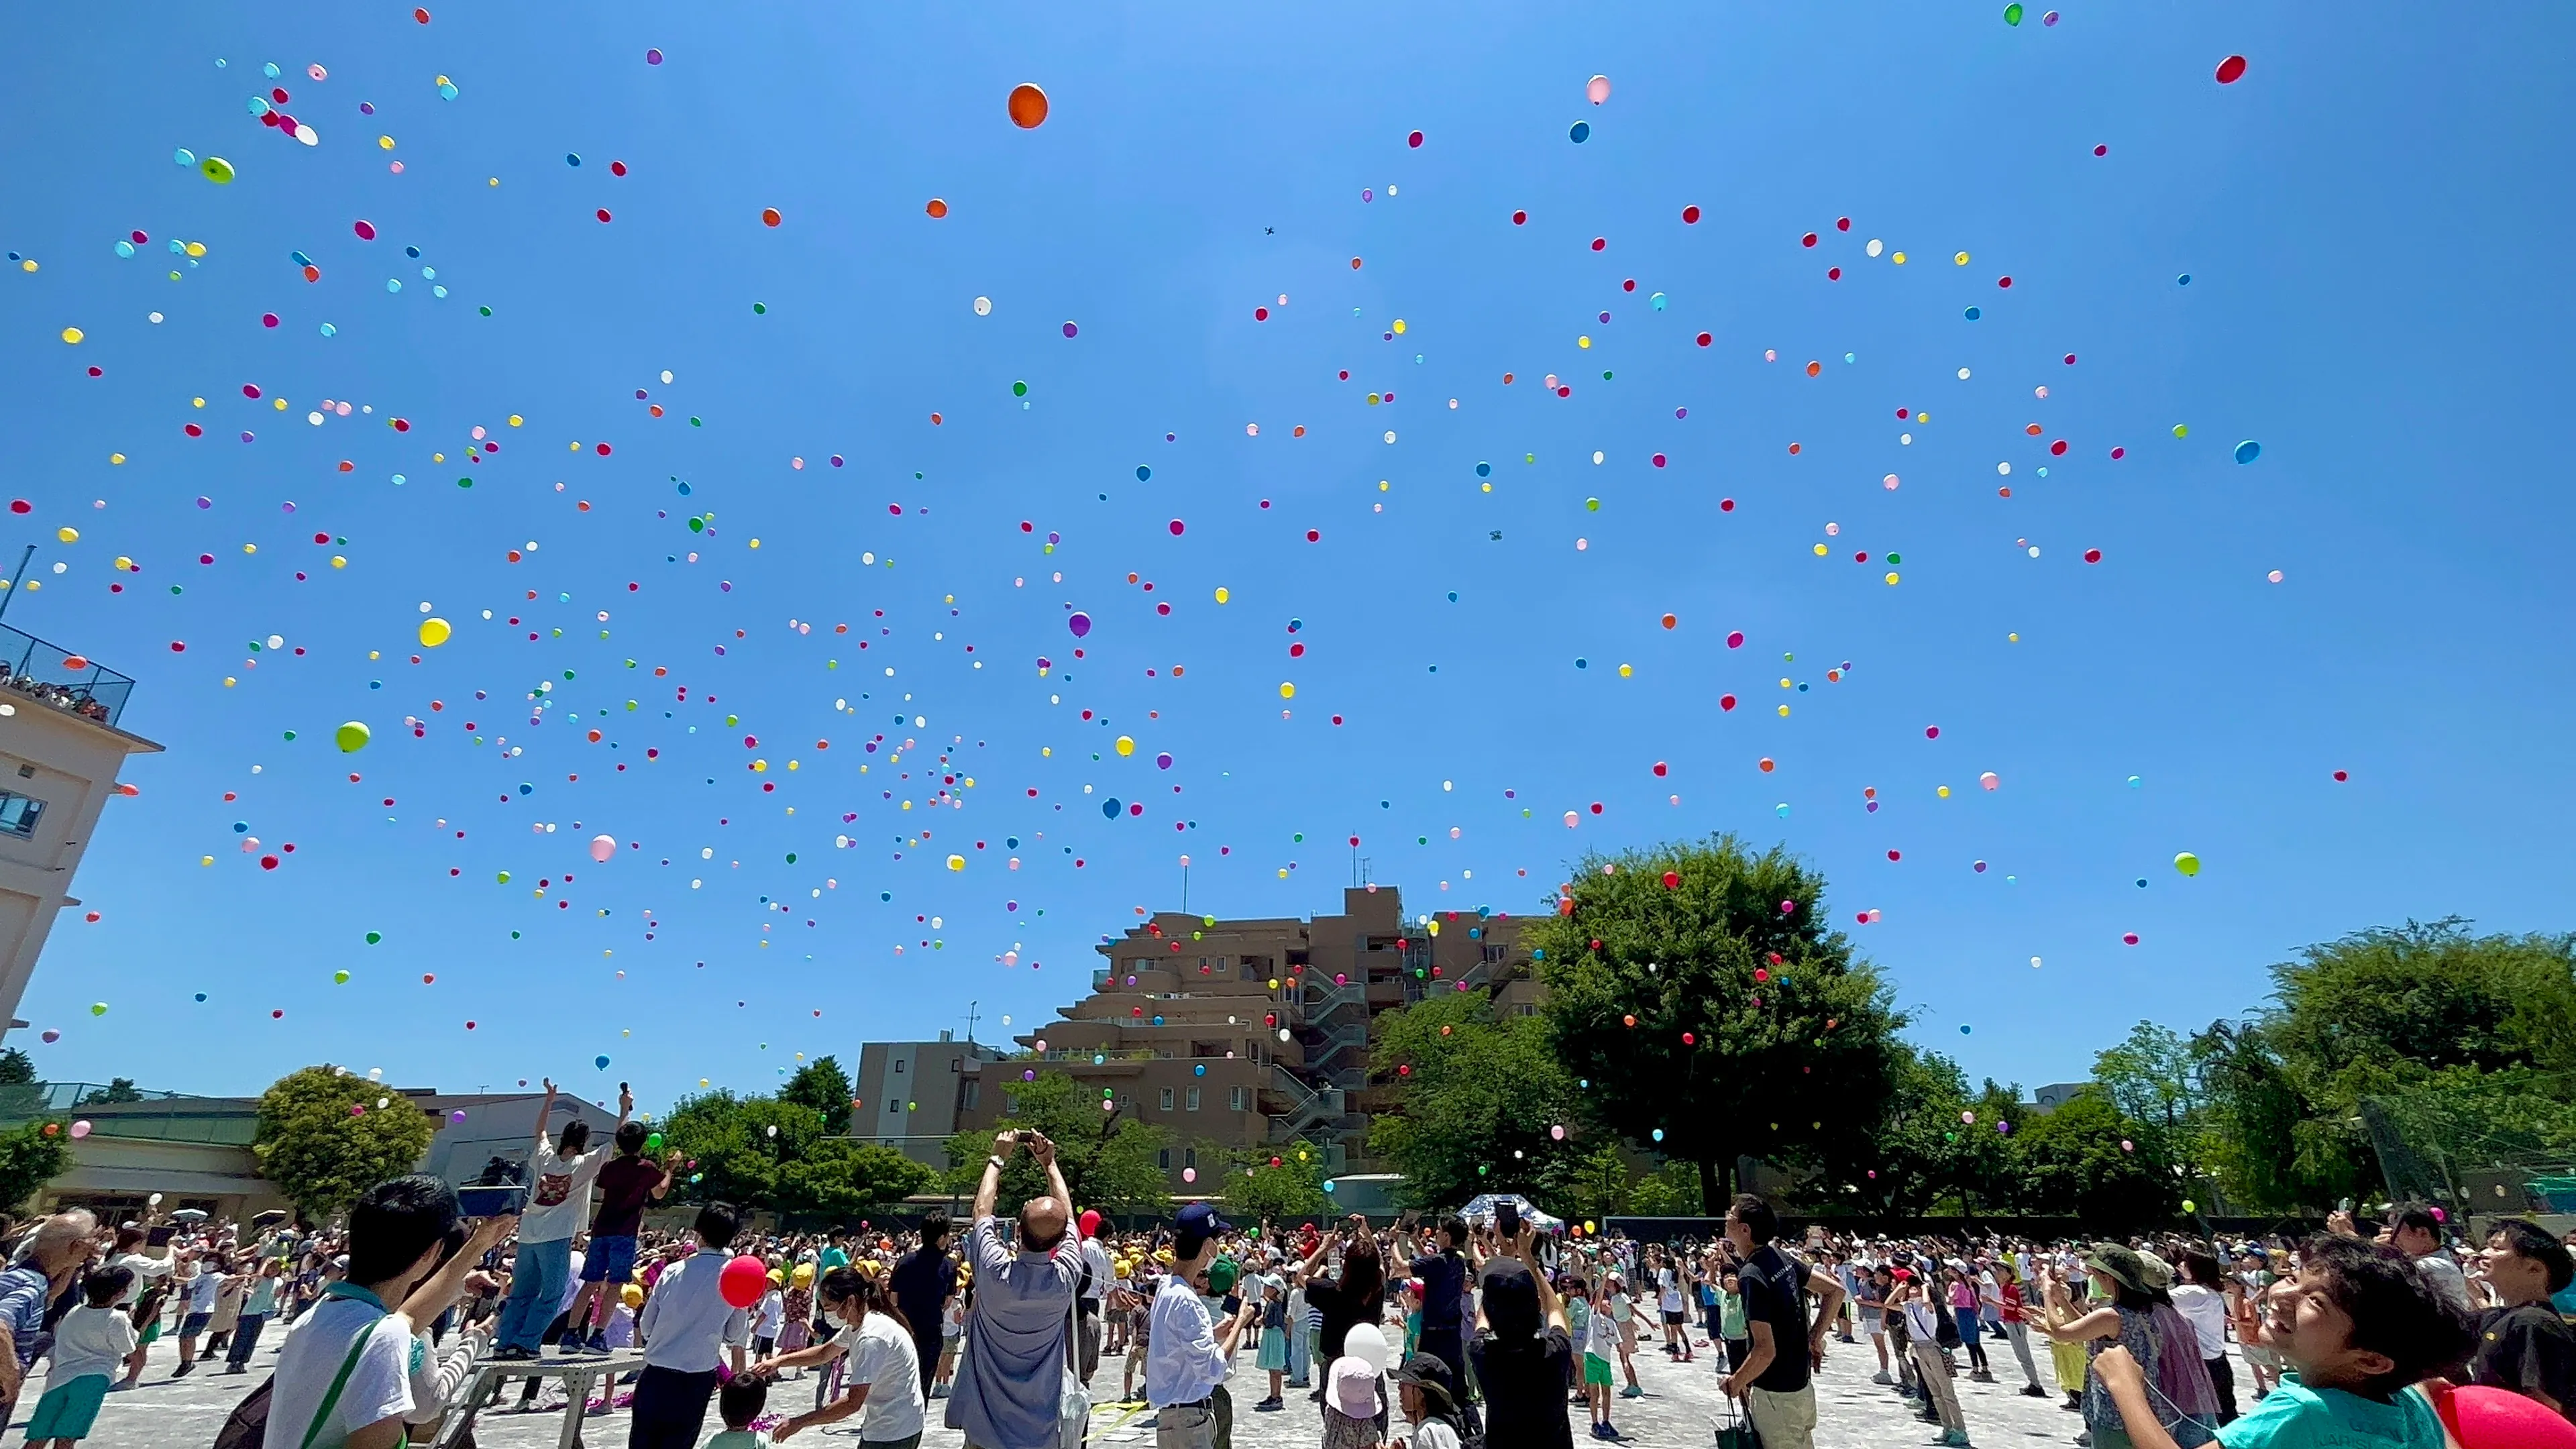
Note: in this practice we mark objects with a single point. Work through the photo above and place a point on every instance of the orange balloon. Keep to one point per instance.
(1028, 107)
(769, 216)
(937, 208)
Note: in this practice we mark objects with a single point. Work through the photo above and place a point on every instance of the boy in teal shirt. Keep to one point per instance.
(2356, 1327)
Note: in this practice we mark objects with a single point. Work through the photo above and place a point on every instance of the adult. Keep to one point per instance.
(884, 1375)
(1522, 1351)
(1186, 1356)
(687, 1327)
(541, 1275)
(2127, 1321)
(344, 1374)
(50, 1263)
(922, 1283)
(1773, 1381)
(1010, 1374)
(1443, 1275)
(1355, 1297)
(2203, 1304)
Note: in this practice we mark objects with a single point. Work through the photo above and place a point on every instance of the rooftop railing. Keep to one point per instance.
(59, 677)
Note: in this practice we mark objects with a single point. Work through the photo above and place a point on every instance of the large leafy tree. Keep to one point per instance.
(31, 1155)
(1479, 1102)
(823, 1088)
(1109, 1159)
(1255, 1189)
(1698, 990)
(767, 1153)
(325, 1136)
(2086, 1158)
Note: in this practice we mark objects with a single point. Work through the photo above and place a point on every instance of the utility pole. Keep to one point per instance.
(971, 1017)
(24, 559)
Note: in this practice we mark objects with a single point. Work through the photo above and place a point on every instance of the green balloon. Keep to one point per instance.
(653, 1143)
(2012, 14)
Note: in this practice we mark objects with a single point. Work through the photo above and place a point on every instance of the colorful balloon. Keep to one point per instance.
(1028, 106)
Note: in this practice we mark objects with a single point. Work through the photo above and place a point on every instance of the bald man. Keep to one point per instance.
(1008, 1377)
(53, 1257)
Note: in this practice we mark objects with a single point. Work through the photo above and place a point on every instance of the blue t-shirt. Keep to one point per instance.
(23, 1294)
(2294, 1416)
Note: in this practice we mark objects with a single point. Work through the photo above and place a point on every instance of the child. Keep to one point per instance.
(1600, 1345)
(89, 1345)
(1730, 1322)
(1430, 1408)
(740, 1402)
(1353, 1404)
(2357, 1325)
(2523, 1345)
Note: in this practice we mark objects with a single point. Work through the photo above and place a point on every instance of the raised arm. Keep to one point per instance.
(1551, 1307)
(1005, 1143)
(625, 1106)
(546, 1108)
(1044, 1151)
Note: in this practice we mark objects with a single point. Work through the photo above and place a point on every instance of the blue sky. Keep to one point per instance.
(2366, 220)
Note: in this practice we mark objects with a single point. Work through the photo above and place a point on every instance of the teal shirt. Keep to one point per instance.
(2294, 1416)
(1730, 1315)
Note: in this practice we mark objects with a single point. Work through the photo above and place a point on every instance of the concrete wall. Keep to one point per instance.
(70, 764)
(913, 1095)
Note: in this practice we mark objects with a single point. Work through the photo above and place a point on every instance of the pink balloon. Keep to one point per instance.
(603, 848)
(80, 1129)
(1597, 89)
(1189, 1174)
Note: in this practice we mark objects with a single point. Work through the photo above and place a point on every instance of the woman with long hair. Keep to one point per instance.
(1356, 1296)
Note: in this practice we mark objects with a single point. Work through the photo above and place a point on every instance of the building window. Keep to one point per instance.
(1493, 955)
(1234, 1098)
(1010, 1104)
(1163, 1159)
(1189, 1157)
(18, 814)
(1167, 1099)
(974, 1090)
(898, 1064)
(1525, 1009)
(1191, 1102)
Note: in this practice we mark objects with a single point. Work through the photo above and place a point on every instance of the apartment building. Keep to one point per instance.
(1253, 1033)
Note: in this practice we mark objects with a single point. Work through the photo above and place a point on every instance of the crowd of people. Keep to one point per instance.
(1429, 1333)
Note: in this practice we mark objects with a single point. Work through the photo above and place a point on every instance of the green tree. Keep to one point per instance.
(1671, 1191)
(1109, 1159)
(1254, 1190)
(30, 1157)
(1906, 1156)
(16, 1067)
(1699, 992)
(1590, 1186)
(21, 1095)
(2268, 1156)
(735, 1149)
(118, 1089)
(1478, 1101)
(325, 1136)
(2086, 1159)
(821, 1087)
(846, 1180)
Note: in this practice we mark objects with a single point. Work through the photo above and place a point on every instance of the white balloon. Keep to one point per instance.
(1366, 1341)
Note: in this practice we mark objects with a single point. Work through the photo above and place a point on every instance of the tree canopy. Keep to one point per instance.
(1476, 1101)
(326, 1135)
(1707, 1011)
(1253, 1188)
(1109, 1159)
(31, 1155)
(765, 1152)
(823, 1088)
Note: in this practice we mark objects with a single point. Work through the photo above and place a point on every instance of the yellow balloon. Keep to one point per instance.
(67, 534)
(632, 1295)
(434, 632)
(352, 737)
(1222, 595)
(73, 335)
(2187, 863)
(1287, 691)
(2189, 1206)
(1126, 746)
(956, 862)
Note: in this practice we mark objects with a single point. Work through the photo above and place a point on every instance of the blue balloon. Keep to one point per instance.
(1580, 132)
(1975, 312)
(2248, 451)
(1332, 1187)
(201, 996)
(600, 1062)
(1109, 807)
(1143, 472)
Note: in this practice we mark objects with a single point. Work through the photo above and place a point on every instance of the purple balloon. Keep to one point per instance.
(1080, 624)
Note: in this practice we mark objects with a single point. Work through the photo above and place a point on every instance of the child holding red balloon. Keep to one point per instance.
(697, 1311)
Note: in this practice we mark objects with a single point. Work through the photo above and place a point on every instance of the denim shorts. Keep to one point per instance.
(609, 1260)
(189, 1327)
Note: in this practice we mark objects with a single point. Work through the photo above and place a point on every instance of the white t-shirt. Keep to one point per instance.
(1096, 1258)
(559, 1199)
(2206, 1312)
(90, 1341)
(773, 1313)
(1601, 1336)
(203, 1288)
(379, 1387)
(144, 1268)
(1671, 1298)
(883, 1358)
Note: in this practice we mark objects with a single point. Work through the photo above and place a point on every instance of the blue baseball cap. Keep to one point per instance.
(1198, 1222)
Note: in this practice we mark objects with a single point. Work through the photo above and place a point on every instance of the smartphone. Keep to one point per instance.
(2343, 1205)
(1507, 1220)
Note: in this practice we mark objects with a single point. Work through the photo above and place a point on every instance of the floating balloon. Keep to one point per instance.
(602, 848)
(351, 737)
(1080, 624)
(434, 632)
(1028, 106)
(2189, 1206)
(80, 1130)
(2187, 863)
(2231, 70)
(600, 1062)
(215, 169)
(1597, 89)
(2248, 451)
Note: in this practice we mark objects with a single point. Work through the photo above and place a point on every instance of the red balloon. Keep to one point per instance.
(2484, 1418)
(2231, 70)
(743, 1281)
